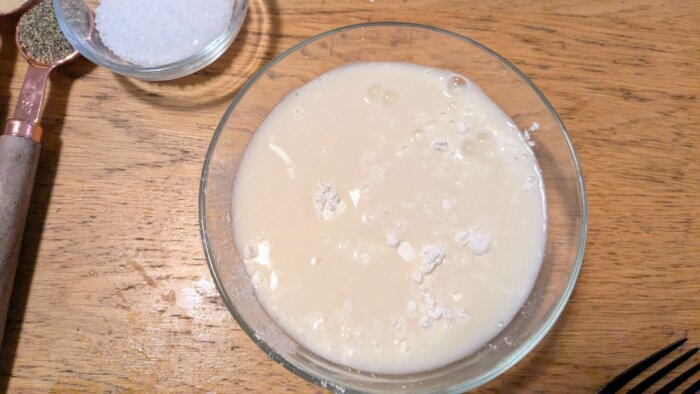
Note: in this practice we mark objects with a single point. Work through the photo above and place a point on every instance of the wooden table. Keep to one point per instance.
(113, 292)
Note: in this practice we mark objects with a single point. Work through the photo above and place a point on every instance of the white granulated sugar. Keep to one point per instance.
(159, 32)
(406, 251)
(392, 239)
(534, 127)
(440, 144)
(479, 243)
(327, 202)
(431, 256)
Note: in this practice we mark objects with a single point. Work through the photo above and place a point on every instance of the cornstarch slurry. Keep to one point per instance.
(390, 217)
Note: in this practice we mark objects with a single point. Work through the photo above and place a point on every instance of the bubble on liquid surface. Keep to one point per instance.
(453, 105)
(483, 138)
(418, 134)
(368, 217)
(390, 96)
(374, 91)
(456, 85)
(468, 147)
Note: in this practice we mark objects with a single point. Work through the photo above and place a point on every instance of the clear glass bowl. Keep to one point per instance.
(76, 18)
(429, 46)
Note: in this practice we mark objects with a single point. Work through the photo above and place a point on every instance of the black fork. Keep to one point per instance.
(630, 373)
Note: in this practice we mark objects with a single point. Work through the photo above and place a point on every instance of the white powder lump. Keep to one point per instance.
(327, 201)
(411, 306)
(432, 310)
(462, 127)
(158, 32)
(478, 242)
(406, 251)
(417, 278)
(392, 239)
(431, 256)
(440, 144)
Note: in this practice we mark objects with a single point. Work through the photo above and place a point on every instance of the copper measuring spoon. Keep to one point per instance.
(19, 156)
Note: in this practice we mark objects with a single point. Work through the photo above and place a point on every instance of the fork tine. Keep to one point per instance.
(693, 389)
(622, 379)
(680, 379)
(663, 371)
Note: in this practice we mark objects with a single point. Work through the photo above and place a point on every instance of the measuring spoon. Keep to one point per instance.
(19, 156)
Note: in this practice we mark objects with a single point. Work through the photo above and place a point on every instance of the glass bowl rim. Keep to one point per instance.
(240, 11)
(525, 347)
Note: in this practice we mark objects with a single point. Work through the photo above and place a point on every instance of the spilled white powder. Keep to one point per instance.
(159, 32)
(431, 256)
(529, 131)
(327, 202)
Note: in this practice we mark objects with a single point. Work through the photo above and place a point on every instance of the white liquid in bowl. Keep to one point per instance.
(391, 216)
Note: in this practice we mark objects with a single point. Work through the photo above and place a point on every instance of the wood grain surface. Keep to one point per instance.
(113, 293)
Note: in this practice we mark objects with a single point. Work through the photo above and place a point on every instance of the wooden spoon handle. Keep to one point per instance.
(18, 161)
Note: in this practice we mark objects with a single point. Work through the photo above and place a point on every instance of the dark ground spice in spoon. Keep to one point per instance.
(41, 36)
